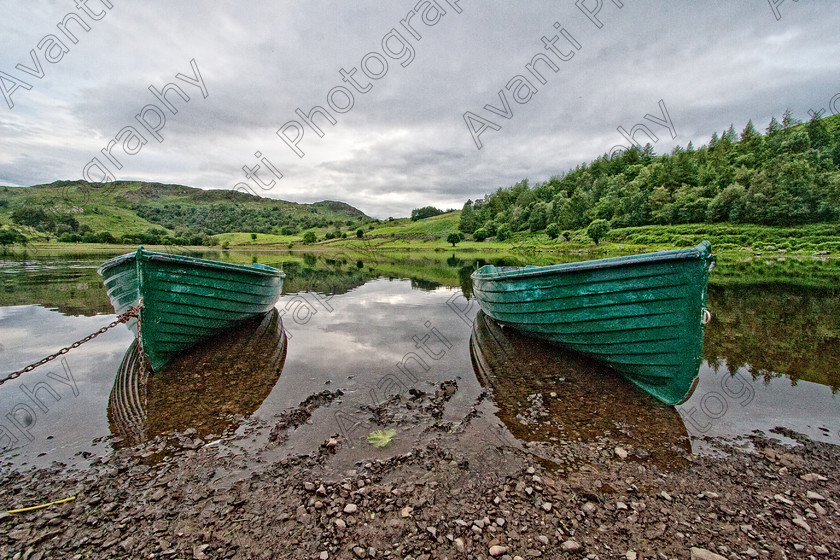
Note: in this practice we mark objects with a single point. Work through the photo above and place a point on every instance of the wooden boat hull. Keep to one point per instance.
(642, 315)
(203, 388)
(184, 299)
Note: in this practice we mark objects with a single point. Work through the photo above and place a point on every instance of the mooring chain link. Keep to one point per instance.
(124, 318)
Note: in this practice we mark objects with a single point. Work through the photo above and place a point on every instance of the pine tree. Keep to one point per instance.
(788, 121)
(749, 132)
(467, 223)
(730, 134)
(820, 138)
(773, 127)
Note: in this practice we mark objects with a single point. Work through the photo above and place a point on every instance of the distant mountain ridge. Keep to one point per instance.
(131, 208)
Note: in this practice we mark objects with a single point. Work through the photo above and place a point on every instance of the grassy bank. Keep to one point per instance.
(430, 234)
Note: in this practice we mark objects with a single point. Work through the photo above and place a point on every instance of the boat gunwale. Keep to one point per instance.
(701, 251)
(268, 272)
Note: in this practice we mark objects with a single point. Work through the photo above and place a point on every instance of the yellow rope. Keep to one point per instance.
(21, 510)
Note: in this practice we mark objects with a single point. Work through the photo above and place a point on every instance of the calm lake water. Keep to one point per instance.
(374, 325)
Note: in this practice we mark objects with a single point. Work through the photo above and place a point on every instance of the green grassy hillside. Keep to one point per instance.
(132, 212)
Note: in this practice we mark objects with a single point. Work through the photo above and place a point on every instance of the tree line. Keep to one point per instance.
(786, 176)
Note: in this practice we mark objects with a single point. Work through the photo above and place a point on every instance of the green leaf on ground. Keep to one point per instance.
(381, 438)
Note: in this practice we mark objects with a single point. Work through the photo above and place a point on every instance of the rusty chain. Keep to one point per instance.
(124, 318)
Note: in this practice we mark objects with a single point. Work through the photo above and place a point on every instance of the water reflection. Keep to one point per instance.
(203, 388)
(72, 286)
(775, 329)
(545, 393)
(762, 328)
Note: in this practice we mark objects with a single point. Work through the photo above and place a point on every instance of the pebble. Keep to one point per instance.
(432, 531)
(621, 452)
(813, 477)
(350, 508)
(546, 506)
(751, 552)
(340, 523)
(459, 544)
(359, 552)
(570, 546)
(703, 554)
(631, 555)
(324, 555)
(814, 496)
(589, 508)
(497, 550)
(818, 508)
(820, 549)
(620, 505)
(543, 539)
(780, 498)
(801, 523)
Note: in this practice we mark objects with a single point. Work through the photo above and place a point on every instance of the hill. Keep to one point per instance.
(787, 176)
(140, 212)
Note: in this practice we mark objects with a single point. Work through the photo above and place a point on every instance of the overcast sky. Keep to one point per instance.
(400, 138)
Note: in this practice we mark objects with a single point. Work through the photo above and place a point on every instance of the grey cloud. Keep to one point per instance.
(713, 64)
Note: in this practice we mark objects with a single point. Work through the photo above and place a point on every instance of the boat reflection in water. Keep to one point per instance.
(203, 388)
(548, 394)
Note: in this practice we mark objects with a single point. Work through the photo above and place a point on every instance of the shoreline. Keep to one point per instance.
(445, 496)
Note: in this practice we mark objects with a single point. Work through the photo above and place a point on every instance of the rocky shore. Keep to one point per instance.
(443, 497)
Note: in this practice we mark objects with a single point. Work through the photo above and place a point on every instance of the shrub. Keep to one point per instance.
(309, 237)
(480, 234)
(553, 231)
(597, 230)
(504, 233)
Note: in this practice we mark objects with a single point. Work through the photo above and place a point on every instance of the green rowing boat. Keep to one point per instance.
(643, 315)
(183, 300)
